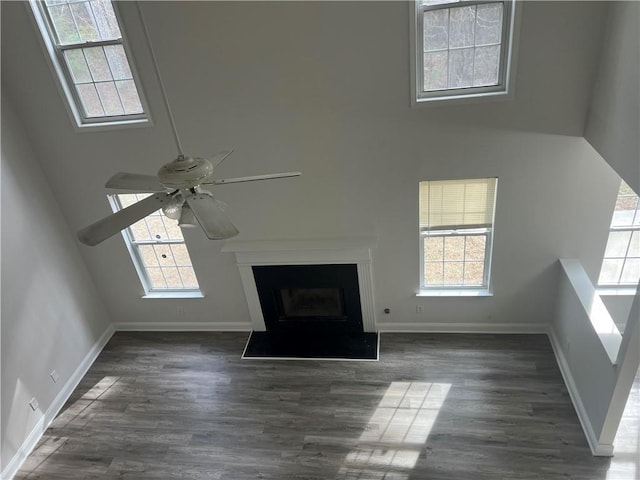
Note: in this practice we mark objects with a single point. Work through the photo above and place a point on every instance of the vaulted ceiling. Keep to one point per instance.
(320, 87)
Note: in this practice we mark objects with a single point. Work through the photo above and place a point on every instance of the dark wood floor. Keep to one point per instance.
(186, 406)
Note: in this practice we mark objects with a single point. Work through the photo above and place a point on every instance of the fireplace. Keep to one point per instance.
(353, 252)
(309, 298)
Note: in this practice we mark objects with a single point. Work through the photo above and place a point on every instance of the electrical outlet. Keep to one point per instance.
(419, 308)
(54, 376)
(33, 404)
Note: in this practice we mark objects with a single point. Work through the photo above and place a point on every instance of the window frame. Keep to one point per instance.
(138, 262)
(487, 232)
(632, 228)
(65, 80)
(453, 231)
(504, 87)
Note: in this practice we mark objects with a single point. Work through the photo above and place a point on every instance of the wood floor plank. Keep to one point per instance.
(436, 406)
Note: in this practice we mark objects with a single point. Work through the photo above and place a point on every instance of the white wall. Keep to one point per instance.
(614, 116)
(599, 365)
(547, 199)
(323, 87)
(587, 368)
(52, 315)
(599, 384)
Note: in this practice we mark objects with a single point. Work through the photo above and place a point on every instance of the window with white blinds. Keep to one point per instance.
(456, 232)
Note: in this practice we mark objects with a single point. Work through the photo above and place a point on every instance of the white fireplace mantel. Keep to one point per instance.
(356, 251)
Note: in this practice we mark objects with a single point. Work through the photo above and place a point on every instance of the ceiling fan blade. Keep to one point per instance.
(220, 157)
(136, 182)
(108, 226)
(253, 178)
(208, 212)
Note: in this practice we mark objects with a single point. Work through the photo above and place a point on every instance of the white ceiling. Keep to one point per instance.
(276, 81)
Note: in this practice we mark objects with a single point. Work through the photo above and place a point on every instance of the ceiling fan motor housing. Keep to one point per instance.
(185, 172)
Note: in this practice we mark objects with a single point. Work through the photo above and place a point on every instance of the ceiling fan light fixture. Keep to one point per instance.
(187, 218)
(173, 209)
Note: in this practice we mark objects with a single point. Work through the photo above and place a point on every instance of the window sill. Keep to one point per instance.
(105, 125)
(460, 98)
(174, 295)
(616, 291)
(455, 293)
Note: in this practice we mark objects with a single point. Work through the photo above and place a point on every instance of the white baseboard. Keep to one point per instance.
(597, 449)
(497, 328)
(50, 414)
(183, 327)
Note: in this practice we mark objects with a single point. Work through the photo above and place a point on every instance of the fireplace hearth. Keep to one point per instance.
(309, 298)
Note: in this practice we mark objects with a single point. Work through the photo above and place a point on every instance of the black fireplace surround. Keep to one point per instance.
(313, 299)
(310, 311)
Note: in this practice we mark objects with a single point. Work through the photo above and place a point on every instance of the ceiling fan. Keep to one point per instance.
(177, 188)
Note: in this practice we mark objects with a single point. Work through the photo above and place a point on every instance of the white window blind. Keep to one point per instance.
(456, 232)
(454, 204)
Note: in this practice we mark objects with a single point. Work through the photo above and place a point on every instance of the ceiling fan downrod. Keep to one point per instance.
(156, 69)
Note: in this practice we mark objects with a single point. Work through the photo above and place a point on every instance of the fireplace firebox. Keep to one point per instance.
(310, 303)
(309, 298)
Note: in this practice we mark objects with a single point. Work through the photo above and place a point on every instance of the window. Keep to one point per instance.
(621, 263)
(84, 41)
(456, 232)
(462, 48)
(158, 252)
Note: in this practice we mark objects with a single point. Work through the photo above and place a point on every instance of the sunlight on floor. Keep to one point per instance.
(396, 432)
(78, 413)
(100, 388)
